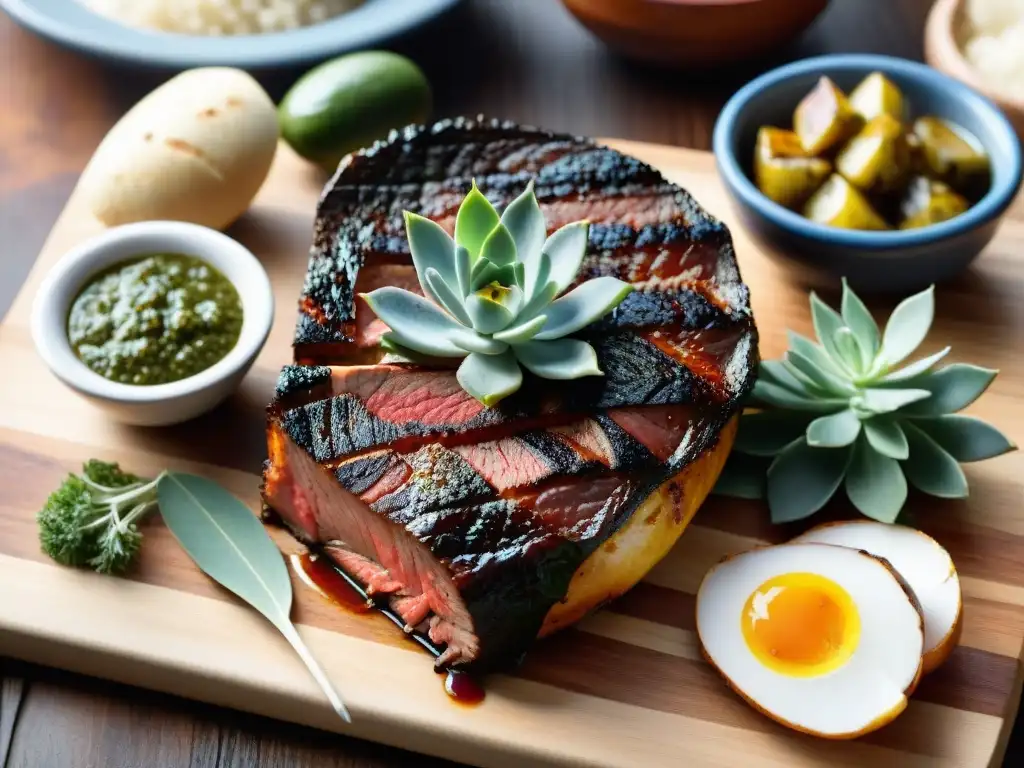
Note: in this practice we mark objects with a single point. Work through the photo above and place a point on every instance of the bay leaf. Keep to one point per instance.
(230, 545)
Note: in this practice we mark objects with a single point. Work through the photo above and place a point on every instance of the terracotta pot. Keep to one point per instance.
(944, 37)
(701, 33)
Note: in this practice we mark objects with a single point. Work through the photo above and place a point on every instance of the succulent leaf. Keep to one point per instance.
(432, 328)
(822, 379)
(888, 400)
(488, 315)
(490, 378)
(392, 347)
(430, 246)
(499, 248)
(780, 397)
(566, 249)
(463, 271)
(475, 220)
(807, 385)
(446, 297)
(859, 320)
(834, 431)
(776, 372)
(894, 426)
(558, 359)
(491, 273)
(472, 341)
(815, 353)
(582, 306)
(539, 303)
(965, 438)
(886, 436)
(519, 273)
(525, 221)
(875, 484)
(908, 326)
(766, 433)
(826, 323)
(494, 287)
(932, 469)
(952, 389)
(521, 332)
(848, 348)
(542, 279)
(915, 368)
(802, 479)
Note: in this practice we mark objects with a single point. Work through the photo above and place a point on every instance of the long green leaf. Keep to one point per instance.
(884, 434)
(834, 431)
(490, 378)
(774, 395)
(776, 372)
(566, 248)
(930, 468)
(835, 385)
(582, 306)
(525, 221)
(802, 479)
(875, 483)
(859, 320)
(908, 325)
(889, 400)
(966, 438)
(475, 220)
(226, 540)
(815, 353)
(430, 246)
(827, 323)
(915, 368)
(953, 388)
(848, 347)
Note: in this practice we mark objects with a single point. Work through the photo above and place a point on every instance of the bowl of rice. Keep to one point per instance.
(249, 34)
(981, 43)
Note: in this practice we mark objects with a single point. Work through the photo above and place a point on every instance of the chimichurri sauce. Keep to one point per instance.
(155, 319)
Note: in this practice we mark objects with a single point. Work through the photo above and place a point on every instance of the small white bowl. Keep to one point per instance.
(159, 404)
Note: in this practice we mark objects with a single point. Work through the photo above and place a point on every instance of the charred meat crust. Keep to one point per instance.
(471, 521)
(428, 170)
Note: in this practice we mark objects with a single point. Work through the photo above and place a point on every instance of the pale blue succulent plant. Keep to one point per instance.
(491, 296)
(839, 410)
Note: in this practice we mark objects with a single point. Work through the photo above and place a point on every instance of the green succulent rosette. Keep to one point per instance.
(839, 411)
(493, 295)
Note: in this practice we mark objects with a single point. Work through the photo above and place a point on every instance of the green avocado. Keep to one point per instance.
(350, 102)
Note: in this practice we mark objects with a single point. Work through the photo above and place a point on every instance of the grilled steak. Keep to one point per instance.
(472, 521)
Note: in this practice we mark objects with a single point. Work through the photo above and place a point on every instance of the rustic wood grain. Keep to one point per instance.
(184, 630)
(529, 61)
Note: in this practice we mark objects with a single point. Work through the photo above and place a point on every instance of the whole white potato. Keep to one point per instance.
(196, 149)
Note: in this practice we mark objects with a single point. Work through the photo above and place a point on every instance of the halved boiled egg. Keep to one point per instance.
(824, 639)
(924, 565)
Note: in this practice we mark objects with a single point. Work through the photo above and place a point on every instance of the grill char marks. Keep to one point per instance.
(641, 225)
(471, 521)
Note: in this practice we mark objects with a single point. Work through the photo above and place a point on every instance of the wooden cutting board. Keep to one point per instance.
(627, 687)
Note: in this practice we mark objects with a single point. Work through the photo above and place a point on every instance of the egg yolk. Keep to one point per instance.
(801, 624)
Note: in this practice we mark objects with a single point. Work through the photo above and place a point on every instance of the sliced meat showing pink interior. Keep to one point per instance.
(660, 428)
(360, 539)
(472, 570)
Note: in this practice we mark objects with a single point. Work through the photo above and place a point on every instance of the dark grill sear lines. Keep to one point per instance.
(469, 522)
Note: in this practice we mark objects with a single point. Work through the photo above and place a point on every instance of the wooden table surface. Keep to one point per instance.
(525, 60)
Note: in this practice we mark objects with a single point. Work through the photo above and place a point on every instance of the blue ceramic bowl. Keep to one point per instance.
(895, 261)
(72, 24)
